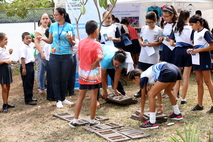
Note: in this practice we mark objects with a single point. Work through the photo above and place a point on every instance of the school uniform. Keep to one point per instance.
(201, 40)
(183, 42)
(167, 51)
(5, 69)
(26, 52)
(163, 72)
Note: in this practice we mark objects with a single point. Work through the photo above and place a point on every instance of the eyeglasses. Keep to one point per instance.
(150, 22)
(166, 16)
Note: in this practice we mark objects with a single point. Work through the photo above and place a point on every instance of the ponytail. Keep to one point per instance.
(202, 21)
(120, 56)
(66, 15)
(181, 21)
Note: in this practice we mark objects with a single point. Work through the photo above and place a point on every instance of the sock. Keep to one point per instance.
(75, 120)
(183, 99)
(152, 117)
(92, 121)
(176, 109)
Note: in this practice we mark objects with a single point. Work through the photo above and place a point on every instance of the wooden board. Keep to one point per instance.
(110, 125)
(120, 99)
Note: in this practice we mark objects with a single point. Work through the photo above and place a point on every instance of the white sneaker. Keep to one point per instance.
(94, 122)
(59, 104)
(67, 102)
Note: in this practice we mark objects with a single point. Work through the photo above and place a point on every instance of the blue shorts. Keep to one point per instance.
(169, 73)
(89, 87)
(144, 66)
(136, 46)
(205, 62)
(166, 54)
(181, 58)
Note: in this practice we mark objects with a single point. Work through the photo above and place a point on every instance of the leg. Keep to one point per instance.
(186, 75)
(79, 102)
(199, 80)
(208, 82)
(93, 100)
(168, 91)
(71, 80)
(177, 86)
(4, 93)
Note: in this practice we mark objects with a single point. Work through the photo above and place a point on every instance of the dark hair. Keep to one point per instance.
(62, 11)
(133, 73)
(117, 20)
(24, 34)
(156, 12)
(51, 16)
(113, 17)
(120, 56)
(198, 12)
(91, 26)
(2, 35)
(202, 21)
(151, 16)
(124, 21)
(184, 15)
(47, 33)
(171, 10)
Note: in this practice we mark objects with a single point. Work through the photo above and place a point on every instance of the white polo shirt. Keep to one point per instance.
(27, 53)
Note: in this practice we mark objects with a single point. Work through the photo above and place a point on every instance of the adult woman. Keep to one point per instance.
(62, 37)
(44, 23)
(112, 65)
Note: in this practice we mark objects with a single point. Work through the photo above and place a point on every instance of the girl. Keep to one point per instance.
(201, 58)
(163, 75)
(5, 71)
(182, 34)
(170, 17)
(62, 38)
(44, 23)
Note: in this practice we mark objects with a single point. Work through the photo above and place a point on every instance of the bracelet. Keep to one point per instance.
(160, 105)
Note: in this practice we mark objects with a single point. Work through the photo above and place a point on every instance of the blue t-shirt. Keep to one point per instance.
(61, 44)
(109, 52)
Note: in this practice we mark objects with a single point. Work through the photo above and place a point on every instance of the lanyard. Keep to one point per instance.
(59, 34)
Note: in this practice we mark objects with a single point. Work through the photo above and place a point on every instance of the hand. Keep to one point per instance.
(110, 38)
(105, 95)
(94, 65)
(39, 38)
(141, 115)
(117, 92)
(160, 110)
(160, 39)
(10, 50)
(43, 57)
(167, 39)
(150, 44)
(189, 51)
(68, 36)
(24, 72)
(142, 44)
(7, 61)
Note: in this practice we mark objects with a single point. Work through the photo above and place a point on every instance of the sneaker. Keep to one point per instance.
(137, 95)
(148, 125)
(5, 108)
(67, 102)
(197, 107)
(183, 102)
(174, 116)
(73, 125)
(96, 122)
(59, 104)
(211, 110)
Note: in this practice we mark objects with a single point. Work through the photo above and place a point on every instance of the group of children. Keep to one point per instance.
(184, 47)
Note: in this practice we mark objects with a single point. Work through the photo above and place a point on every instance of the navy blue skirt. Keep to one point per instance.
(5, 74)
(89, 87)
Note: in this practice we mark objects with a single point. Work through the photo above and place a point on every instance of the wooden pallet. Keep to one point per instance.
(110, 125)
(120, 99)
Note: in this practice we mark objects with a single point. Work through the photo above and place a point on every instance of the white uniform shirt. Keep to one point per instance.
(107, 31)
(199, 38)
(185, 36)
(42, 30)
(4, 54)
(27, 53)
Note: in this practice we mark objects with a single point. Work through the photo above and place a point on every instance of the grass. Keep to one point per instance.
(36, 123)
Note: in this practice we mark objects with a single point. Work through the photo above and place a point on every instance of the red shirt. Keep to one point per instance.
(132, 33)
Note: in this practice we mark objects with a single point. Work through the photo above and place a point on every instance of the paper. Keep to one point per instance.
(149, 50)
(168, 44)
(196, 59)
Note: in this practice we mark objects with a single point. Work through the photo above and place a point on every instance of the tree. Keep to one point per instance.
(20, 7)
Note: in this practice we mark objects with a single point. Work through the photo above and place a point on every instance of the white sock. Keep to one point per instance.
(176, 109)
(75, 120)
(152, 117)
(92, 121)
(183, 99)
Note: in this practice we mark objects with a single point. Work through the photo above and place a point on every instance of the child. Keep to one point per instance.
(149, 38)
(5, 71)
(26, 59)
(170, 17)
(89, 54)
(163, 75)
(201, 58)
(182, 35)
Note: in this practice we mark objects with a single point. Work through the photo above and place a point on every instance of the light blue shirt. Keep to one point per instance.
(61, 44)
(109, 52)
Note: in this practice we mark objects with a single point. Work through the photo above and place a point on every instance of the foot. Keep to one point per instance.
(137, 95)
(5, 108)
(59, 104)
(10, 106)
(31, 103)
(183, 102)
(174, 116)
(197, 107)
(42, 92)
(34, 100)
(67, 102)
(73, 125)
(95, 122)
(211, 110)
(148, 125)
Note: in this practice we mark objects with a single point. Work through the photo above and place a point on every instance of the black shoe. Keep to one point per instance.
(197, 107)
(34, 100)
(211, 110)
(183, 102)
(50, 99)
(137, 95)
(5, 108)
(31, 103)
(10, 106)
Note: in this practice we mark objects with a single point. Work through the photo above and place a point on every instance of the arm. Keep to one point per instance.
(71, 39)
(37, 45)
(96, 63)
(48, 40)
(151, 44)
(104, 82)
(5, 61)
(24, 72)
(116, 80)
(209, 48)
(140, 39)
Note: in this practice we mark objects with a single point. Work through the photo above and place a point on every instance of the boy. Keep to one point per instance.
(89, 55)
(164, 76)
(26, 59)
